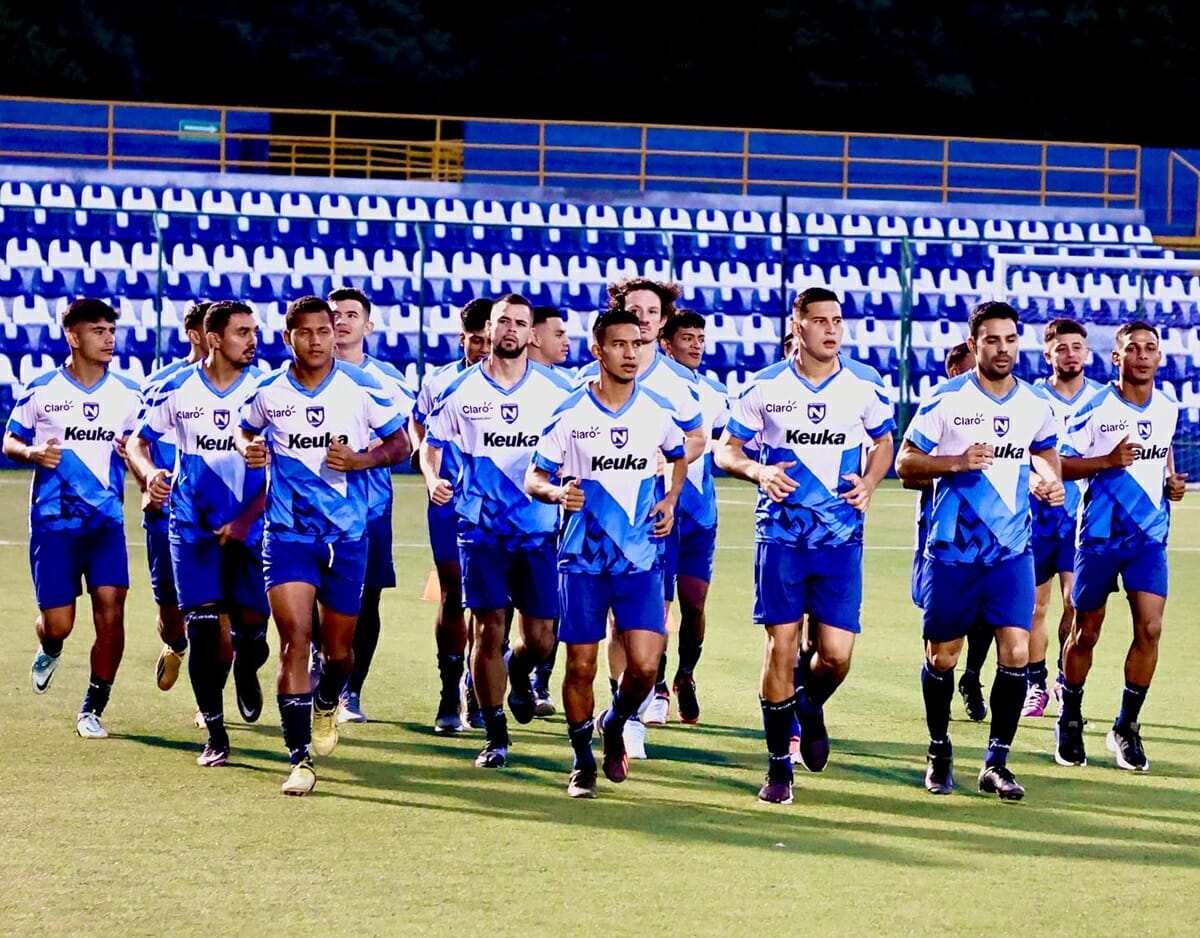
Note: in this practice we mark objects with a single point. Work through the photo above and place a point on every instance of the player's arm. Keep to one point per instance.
(1176, 482)
(416, 436)
(47, 455)
(440, 490)
(539, 485)
(1047, 466)
(695, 442)
(915, 465)
(252, 447)
(879, 460)
(155, 480)
(1082, 467)
(731, 457)
(389, 450)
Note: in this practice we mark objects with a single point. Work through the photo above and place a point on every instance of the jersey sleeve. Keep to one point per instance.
(383, 415)
(23, 419)
(746, 415)
(671, 440)
(551, 449)
(879, 415)
(1049, 433)
(157, 417)
(927, 427)
(689, 415)
(252, 414)
(441, 427)
(1077, 439)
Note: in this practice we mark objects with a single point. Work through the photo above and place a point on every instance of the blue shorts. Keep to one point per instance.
(1143, 570)
(158, 557)
(1052, 555)
(586, 598)
(229, 577)
(381, 569)
(62, 560)
(689, 552)
(494, 577)
(443, 532)
(917, 572)
(824, 582)
(336, 569)
(958, 596)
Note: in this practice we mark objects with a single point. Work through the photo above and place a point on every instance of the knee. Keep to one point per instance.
(581, 672)
(1147, 633)
(1085, 632)
(941, 659)
(489, 636)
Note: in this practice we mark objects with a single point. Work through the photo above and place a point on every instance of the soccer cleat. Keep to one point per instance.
(324, 730)
(521, 702)
(998, 780)
(492, 757)
(634, 735)
(474, 716)
(616, 759)
(582, 783)
(543, 702)
(776, 791)
(1068, 743)
(350, 709)
(449, 718)
(1125, 743)
(657, 710)
(794, 750)
(248, 692)
(302, 780)
(88, 726)
(814, 738)
(166, 669)
(1036, 699)
(212, 756)
(686, 701)
(939, 774)
(972, 697)
(44, 666)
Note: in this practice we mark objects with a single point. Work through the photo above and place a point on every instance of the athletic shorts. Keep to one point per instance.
(1143, 570)
(61, 561)
(1052, 555)
(917, 571)
(229, 577)
(337, 569)
(381, 568)
(495, 577)
(689, 552)
(586, 598)
(443, 532)
(958, 596)
(824, 582)
(158, 558)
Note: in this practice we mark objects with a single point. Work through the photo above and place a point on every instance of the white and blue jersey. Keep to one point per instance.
(86, 489)
(698, 502)
(379, 481)
(1057, 522)
(1126, 508)
(493, 431)
(825, 430)
(982, 517)
(431, 389)
(614, 456)
(162, 450)
(211, 485)
(306, 500)
(669, 380)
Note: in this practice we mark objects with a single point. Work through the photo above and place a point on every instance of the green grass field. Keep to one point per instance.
(404, 836)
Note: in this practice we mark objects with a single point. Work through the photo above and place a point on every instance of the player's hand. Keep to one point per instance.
(47, 455)
(1050, 491)
(235, 530)
(775, 481)
(1176, 485)
(663, 516)
(341, 458)
(979, 456)
(859, 496)
(257, 455)
(158, 487)
(120, 446)
(570, 495)
(1123, 454)
(441, 493)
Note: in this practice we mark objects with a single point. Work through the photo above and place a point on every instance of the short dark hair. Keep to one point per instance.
(219, 314)
(1138, 325)
(193, 319)
(805, 298)
(353, 294)
(683, 319)
(475, 314)
(611, 317)
(542, 313)
(306, 304)
(955, 356)
(1061, 327)
(88, 310)
(667, 293)
(990, 309)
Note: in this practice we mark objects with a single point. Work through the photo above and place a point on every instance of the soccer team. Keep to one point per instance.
(569, 508)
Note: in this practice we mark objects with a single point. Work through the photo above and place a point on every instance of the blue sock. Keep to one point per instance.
(1007, 698)
(96, 698)
(937, 688)
(581, 741)
(295, 716)
(1132, 699)
(777, 727)
(52, 646)
(1072, 702)
(1038, 674)
(495, 725)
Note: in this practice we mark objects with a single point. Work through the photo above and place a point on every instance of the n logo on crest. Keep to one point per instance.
(315, 415)
(221, 419)
(1145, 428)
(620, 436)
(816, 412)
(508, 412)
(91, 410)
(1000, 425)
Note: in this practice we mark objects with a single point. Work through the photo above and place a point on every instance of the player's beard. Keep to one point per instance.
(1067, 375)
(500, 351)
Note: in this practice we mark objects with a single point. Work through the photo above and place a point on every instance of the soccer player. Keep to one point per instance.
(604, 444)
(692, 544)
(975, 439)
(817, 415)
(170, 623)
(71, 425)
(215, 509)
(1120, 441)
(450, 626)
(311, 421)
(352, 325)
(492, 416)
(1054, 527)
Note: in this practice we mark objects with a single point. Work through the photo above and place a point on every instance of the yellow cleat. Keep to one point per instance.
(324, 730)
(166, 672)
(302, 780)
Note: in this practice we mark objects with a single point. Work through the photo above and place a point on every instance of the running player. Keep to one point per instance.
(71, 425)
(826, 428)
(311, 421)
(604, 444)
(1120, 441)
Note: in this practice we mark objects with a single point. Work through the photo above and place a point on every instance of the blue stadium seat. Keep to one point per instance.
(133, 284)
(49, 282)
(11, 282)
(91, 282)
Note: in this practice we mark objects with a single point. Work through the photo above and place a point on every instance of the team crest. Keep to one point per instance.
(1144, 429)
(315, 415)
(620, 436)
(221, 419)
(508, 413)
(91, 410)
(1000, 425)
(816, 412)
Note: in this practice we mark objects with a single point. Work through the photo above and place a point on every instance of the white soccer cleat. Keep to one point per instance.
(88, 726)
(324, 730)
(634, 735)
(44, 666)
(657, 711)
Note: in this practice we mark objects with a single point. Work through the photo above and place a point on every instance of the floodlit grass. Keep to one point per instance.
(404, 836)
